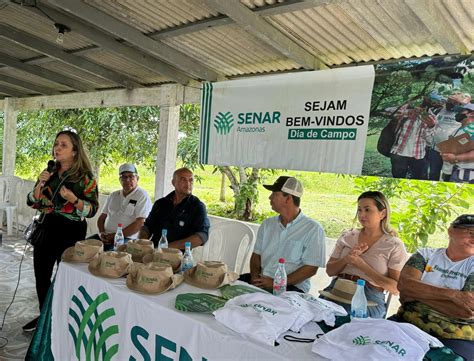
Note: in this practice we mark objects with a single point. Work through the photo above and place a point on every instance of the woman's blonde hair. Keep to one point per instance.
(81, 164)
(381, 202)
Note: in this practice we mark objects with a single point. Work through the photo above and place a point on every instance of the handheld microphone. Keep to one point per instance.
(51, 168)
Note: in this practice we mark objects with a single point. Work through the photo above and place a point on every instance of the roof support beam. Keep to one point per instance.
(107, 98)
(43, 59)
(439, 28)
(291, 5)
(12, 92)
(144, 60)
(199, 25)
(44, 47)
(135, 37)
(43, 73)
(107, 42)
(27, 85)
(221, 20)
(261, 29)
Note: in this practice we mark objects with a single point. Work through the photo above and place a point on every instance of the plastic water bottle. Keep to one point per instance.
(163, 243)
(119, 239)
(280, 279)
(359, 301)
(187, 261)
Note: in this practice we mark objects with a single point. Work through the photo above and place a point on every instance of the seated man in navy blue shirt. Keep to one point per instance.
(183, 215)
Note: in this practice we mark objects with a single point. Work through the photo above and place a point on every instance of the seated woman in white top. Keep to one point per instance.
(372, 253)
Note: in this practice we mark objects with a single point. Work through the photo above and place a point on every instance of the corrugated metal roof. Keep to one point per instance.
(36, 24)
(80, 75)
(17, 88)
(358, 31)
(460, 16)
(231, 51)
(149, 16)
(253, 4)
(120, 64)
(180, 40)
(16, 51)
(18, 74)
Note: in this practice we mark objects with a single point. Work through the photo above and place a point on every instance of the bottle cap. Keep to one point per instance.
(281, 260)
(119, 225)
(187, 244)
(360, 282)
(164, 232)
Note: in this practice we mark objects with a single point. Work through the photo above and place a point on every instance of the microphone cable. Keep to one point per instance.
(5, 339)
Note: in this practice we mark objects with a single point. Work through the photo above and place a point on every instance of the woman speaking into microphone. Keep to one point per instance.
(65, 194)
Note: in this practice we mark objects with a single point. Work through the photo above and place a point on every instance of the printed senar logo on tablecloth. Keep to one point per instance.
(86, 326)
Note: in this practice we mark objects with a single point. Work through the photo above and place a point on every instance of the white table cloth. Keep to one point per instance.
(99, 318)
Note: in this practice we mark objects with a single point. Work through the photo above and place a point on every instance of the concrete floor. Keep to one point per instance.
(25, 306)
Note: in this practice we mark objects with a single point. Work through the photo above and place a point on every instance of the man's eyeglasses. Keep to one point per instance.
(128, 177)
(470, 230)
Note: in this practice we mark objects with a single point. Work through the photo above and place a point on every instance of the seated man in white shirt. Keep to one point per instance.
(437, 289)
(291, 235)
(129, 206)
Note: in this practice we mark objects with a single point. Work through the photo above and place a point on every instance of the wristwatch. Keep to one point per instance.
(76, 201)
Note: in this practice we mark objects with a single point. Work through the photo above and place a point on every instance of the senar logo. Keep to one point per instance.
(390, 346)
(224, 122)
(85, 326)
(361, 340)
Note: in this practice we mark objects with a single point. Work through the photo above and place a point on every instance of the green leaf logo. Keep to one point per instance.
(361, 340)
(85, 326)
(224, 123)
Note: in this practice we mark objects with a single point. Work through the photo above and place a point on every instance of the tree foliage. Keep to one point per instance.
(188, 143)
(109, 134)
(424, 206)
(409, 81)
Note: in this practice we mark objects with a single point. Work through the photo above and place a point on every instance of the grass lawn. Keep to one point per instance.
(328, 198)
(375, 163)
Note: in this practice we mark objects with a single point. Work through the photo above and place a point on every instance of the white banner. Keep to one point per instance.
(313, 121)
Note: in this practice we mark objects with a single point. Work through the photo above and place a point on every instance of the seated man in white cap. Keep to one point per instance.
(129, 206)
(290, 235)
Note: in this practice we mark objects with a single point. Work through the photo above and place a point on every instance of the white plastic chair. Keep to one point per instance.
(230, 242)
(10, 188)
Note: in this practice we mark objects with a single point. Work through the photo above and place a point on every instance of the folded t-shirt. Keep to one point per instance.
(258, 316)
(375, 339)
